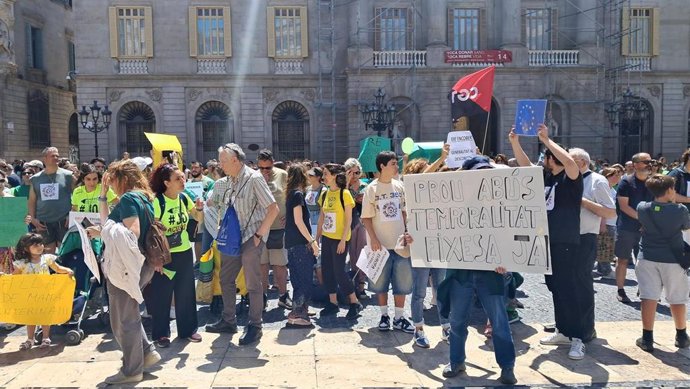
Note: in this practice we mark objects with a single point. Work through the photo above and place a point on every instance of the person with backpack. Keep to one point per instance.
(126, 270)
(682, 177)
(173, 209)
(334, 232)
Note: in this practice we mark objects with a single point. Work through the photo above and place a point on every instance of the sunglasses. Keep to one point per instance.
(27, 174)
(645, 162)
(266, 168)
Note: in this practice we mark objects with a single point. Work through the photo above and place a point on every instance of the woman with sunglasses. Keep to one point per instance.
(173, 208)
(23, 189)
(353, 170)
(5, 190)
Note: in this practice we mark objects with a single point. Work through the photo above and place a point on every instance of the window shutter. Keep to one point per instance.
(554, 28)
(29, 48)
(377, 29)
(271, 31)
(193, 45)
(305, 31)
(409, 29)
(523, 26)
(227, 31)
(654, 39)
(451, 30)
(483, 31)
(112, 20)
(148, 26)
(625, 31)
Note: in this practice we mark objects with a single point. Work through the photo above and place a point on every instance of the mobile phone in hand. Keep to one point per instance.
(86, 223)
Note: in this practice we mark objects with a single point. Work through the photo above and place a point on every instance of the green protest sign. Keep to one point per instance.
(369, 148)
(12, 213)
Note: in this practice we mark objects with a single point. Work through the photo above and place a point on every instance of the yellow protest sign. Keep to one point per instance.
(36, 298)
(163, 144)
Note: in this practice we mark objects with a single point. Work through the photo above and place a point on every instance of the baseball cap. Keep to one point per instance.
(142, 162)
(316, 172)
(476, 163)
(35, 163)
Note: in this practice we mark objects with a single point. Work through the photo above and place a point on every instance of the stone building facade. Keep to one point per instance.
(37, 103)
(291, 75)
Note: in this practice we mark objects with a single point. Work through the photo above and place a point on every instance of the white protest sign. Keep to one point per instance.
(89, 256)
(196, 187)
(479, 219)
(371, 263)
(77, 217)
(462, 147)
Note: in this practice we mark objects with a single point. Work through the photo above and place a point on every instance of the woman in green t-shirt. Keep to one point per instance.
(85, 194)
(173, 208)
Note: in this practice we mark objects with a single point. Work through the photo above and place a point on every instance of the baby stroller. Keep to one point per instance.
(89, 298)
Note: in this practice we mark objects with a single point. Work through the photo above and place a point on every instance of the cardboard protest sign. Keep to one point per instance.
(479, 219)
(371, 262)
(77, 217)
(12, 213)
(33, 299)
(528, 116)
(89, 256)
(369, 148)
(163, 144)
(462, 147)
(196, 187)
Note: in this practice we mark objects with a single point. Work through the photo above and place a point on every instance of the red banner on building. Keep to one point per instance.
(488, 56)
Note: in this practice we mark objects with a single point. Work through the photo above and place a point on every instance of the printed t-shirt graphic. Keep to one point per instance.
(334, 214)
(175, 219)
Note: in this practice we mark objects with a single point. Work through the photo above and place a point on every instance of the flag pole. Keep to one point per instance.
(486, 129)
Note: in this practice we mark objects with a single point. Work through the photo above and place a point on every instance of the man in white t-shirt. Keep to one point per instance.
(383, 215)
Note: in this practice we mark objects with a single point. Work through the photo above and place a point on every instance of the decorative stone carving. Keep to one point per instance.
(155, 94)
(654, 90)
(309, 94)
(686, 90)
(195, 94)
(115, 95)
(7, 31)
(271, 96)
(219, 92)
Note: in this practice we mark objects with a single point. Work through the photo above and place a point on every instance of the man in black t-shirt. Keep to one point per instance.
(631, 192)
(568, 284)
(682, 176)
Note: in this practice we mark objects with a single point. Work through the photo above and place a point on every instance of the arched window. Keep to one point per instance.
(213, 129)
(134, 119)
(290, 131)
(636, 129)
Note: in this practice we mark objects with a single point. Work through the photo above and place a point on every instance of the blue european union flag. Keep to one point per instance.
(528, 116)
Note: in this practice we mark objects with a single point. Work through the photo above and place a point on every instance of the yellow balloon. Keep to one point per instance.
(407, 145)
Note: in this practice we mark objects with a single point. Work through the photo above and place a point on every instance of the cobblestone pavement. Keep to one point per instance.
(533, 294)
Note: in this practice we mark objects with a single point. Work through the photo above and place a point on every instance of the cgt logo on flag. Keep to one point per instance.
(471, 95)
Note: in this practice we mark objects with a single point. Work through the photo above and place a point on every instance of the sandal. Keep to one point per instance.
(194, 338)
(46, 342)
(26, 345)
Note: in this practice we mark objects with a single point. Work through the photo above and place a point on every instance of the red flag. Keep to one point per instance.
(472, 94)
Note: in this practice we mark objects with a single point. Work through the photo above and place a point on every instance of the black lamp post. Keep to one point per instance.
(629, 107)
(93, 125)
(378, 116)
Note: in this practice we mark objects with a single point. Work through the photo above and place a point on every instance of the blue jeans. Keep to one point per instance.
(206, 241)
(397, 272)
(494, 306)
(301, 264)
(420, 277)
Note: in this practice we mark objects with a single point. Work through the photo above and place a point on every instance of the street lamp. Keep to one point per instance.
(93, 125)
(628, 106)
(378, 116)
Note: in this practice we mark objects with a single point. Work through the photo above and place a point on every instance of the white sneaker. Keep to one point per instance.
(554, 339)
(577, 349)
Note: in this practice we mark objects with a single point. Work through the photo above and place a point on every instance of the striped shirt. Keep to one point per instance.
(250, 196)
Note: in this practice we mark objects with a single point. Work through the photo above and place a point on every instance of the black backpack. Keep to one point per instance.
(342, 201)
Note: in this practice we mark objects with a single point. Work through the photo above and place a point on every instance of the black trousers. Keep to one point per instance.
(333, 267)
(572, 287)
(158, 296)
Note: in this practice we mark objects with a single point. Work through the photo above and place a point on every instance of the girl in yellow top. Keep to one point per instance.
(173, 208)
(334, 231)
(85, 195)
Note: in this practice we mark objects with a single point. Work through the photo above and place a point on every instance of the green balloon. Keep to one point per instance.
(407, 145)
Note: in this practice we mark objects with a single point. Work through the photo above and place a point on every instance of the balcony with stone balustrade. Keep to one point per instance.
(399, 59)
(554, 57)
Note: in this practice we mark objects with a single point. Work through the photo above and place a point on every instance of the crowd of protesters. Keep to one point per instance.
(308, 223)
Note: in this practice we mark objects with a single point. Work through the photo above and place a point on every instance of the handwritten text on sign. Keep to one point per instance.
(36, 298)
(479, 220)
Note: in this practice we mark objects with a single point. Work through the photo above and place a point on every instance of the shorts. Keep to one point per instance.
(626, 243)
(54, 232)
(274, 257)
(652, 277)
(396, 272)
